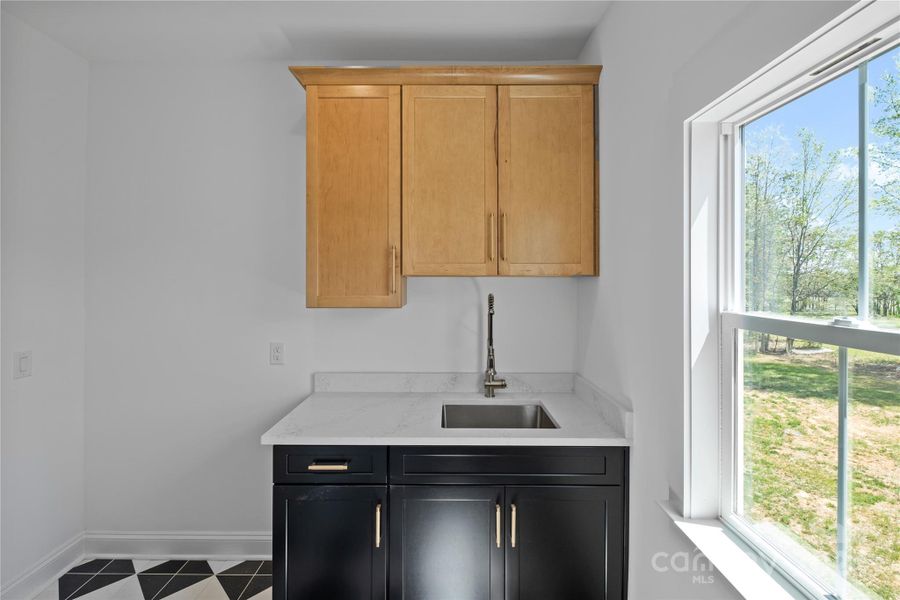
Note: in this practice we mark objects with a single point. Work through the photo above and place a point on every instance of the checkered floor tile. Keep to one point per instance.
(107, 579)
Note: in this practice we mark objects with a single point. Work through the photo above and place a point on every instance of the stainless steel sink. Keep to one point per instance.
(496, 416)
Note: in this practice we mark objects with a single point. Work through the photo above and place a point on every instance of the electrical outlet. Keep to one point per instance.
(276, 353)
(22, 365)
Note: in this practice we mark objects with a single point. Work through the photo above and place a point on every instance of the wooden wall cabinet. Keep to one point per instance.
(449, 180)
(498, 176)
(353, 196)
(547, 224)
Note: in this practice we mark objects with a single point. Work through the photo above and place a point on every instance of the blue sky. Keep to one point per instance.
(831, 113)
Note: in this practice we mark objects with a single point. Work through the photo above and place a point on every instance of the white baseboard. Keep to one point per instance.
(46, 570)
(179, 544)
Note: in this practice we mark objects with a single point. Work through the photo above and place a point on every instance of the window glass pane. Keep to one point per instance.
(789, 458)
(884, 188)
(790, 420)
(874, 513)
(801, 204)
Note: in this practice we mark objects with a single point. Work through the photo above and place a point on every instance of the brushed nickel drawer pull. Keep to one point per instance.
(344, 466)
(378, 525)
(497, 526)
(512, 535)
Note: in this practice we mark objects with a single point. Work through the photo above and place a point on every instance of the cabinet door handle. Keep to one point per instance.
(499, 516)
(496, 143)
(378, 525)
(512, 535)
(503, 236)
(344, 466)
(393, 270)
(491, 238)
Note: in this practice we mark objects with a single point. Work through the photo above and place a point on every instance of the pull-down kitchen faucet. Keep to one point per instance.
(491, 381)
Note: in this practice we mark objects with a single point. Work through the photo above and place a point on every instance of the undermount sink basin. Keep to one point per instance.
(496, 416)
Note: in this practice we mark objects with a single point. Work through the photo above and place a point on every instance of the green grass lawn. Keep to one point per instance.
(790, 407)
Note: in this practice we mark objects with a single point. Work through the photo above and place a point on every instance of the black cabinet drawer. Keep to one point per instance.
(507, 466)
(330, 464)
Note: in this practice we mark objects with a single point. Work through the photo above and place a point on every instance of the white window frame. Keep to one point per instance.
(714, 314)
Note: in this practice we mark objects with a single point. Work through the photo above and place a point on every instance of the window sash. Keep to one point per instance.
(734, 319)
(731, 249)
(731, 491)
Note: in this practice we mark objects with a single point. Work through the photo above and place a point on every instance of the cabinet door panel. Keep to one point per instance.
(569, 543)
(449, 180)
(353, 196)
(444, 543)
(546, 183)
(324, 542)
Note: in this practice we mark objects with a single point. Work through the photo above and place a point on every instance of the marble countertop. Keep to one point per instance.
(342, 415)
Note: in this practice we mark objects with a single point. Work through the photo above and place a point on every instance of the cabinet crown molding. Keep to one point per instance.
(450, 75)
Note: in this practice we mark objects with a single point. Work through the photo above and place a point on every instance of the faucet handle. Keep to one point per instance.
(491, 384)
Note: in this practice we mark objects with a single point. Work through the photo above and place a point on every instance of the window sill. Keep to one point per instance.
(749, 573)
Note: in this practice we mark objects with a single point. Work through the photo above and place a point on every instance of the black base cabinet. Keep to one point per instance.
(327, 536)
(569, 543)
(454, 523)
(446, 542)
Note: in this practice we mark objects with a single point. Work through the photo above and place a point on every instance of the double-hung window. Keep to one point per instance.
(807, 381)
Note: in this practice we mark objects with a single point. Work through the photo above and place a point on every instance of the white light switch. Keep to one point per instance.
(276, 353)
(22, 366)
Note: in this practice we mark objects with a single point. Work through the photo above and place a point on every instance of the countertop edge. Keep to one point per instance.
(448, 441)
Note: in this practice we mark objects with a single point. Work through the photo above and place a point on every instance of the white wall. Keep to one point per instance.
(662, 61)
(44, 123)
(195, 261)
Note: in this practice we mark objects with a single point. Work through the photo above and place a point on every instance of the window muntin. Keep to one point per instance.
(848, 547)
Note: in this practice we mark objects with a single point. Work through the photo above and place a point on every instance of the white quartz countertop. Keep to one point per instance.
(414, 418)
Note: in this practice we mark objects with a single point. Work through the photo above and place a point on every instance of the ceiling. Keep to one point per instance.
(327, 32)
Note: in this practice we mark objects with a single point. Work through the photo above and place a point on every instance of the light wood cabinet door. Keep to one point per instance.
(449, 180)
(546, 184)
(353, 197)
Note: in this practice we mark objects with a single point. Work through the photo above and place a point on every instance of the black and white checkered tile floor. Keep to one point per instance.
(106, 579)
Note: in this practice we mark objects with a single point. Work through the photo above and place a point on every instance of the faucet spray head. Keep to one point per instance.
(490, 303)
